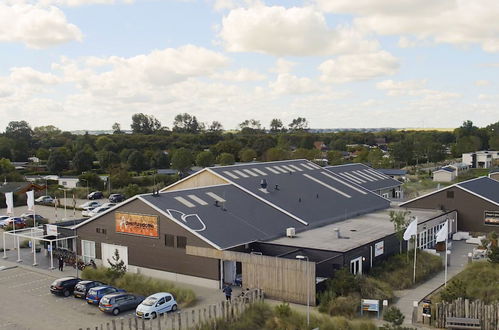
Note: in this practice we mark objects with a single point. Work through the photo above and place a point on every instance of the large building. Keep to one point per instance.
(481, 159)
(476, 202)
(251, 221)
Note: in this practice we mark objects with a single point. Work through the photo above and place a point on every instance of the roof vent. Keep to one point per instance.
(337, 232)
(216, 203)
(290, 232)
(263, 185)
(276, 187)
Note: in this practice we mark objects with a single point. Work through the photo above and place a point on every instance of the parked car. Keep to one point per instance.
(108, 204)
(64, 286)
(95, 294)
(156, 304)
(95, 195)
(4, 217)
(19, 222)
(116, 303)
(44, 200)
(92, 204)
(98, 210)
(38, 218)
(116, 198)
(81, 289)
(86, 211)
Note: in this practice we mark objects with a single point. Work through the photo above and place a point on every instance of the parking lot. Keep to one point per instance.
(26, 303)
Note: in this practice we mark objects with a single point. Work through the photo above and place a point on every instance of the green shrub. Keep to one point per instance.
(393, 315)
(343, 306)
(373, 288)
(140, 284)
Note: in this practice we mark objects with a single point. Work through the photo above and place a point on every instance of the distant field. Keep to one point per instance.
(427, 129)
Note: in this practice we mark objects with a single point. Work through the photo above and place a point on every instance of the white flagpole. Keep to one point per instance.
(34, 240)
(415, 248)
(446, 237)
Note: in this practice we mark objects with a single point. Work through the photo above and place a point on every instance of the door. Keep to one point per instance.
(161, 306)
(229, 272)
(108, 251)
(356, 266)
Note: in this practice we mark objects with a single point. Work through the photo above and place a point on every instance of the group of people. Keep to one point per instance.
(227, 290)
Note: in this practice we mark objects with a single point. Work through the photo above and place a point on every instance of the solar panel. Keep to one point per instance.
(288, 168)
(280, 169)
(327, 186)
(272, 170)
(344, 183)
(215, 196)
(258, 171)
(314, 165)
(378, 174)
(365, 176)
(352, 177)
(296, 168)
(244, 175)
(306, 166)
(184, 201)
(232, 175)
(197, 199)
(250, 172)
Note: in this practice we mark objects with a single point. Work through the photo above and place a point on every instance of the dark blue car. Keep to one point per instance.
(94, 295)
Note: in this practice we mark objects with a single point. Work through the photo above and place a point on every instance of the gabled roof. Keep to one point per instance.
(447, 169)
(482, 187)
(364, 176)
(392, 171)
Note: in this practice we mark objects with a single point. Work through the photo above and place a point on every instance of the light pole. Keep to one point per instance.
(65, 203)
(302, 257)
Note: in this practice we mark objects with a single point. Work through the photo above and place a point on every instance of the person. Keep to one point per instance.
(245, 295)
(228, 292)
(61, 263)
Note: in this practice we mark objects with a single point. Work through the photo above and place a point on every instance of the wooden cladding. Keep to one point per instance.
(280, 278)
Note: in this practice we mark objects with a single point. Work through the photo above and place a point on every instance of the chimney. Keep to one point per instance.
(337, 233)
(276, 187)
(263, 184)
(216, 203)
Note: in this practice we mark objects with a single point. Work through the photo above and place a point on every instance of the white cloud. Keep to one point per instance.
(240, 75)
(298, 31)
(289, 84)
(36, 26)
(459, 22)
(414, 88)
(74, 3)
(29, 75)
(357, 67)
(482, 83)
(282, 66)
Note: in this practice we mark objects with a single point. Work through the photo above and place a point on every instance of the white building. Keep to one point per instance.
(480, 159)
(445, 174)
(68, 182)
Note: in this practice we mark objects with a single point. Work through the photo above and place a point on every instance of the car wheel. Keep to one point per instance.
(153, 315)
(116, 311)
(174, 308)
(66, 293)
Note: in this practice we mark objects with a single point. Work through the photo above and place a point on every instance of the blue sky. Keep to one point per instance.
(85, 64)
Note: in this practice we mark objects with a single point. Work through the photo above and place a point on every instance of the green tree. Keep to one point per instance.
(205, 159)
(334, 157)
(160, 159)
(92, 179)
(247, 155)
(393, 315)
(185, 123)
(298, 124)
(136, 161)
(107, 159)
(82, 160)
(229, 146)
(399, 221)
(145, 124)
(19, 130)
(225, 159)
(274, 154)
(182, 160)
(117, 267)
(251, 126)
(215, 127)
(43, 154)
(105, 143)
(57, 161)
(5, 148)
(120, 177)
(276, 126)
(132, 190)
(117, 128)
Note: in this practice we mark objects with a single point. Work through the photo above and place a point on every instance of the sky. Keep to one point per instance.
(86, 64)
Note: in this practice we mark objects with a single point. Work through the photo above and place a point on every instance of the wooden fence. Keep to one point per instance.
(464, 308)
(190, 319)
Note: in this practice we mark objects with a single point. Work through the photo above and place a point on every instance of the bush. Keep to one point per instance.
(393, 315)
(372, 288)
(344, 306)
(140, 284)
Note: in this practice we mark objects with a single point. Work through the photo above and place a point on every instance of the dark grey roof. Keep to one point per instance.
(494, 170)
(241, 219)
(304, 190)
(391, 171)
(364, 175)
(485, 187)
(448, 169)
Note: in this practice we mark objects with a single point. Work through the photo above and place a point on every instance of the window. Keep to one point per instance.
(168, 298)
(87, 250)
(104, 231)
(97, 230)
(450, 194)
(181, 242)
(169, 240)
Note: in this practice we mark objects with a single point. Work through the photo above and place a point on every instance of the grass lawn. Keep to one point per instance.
(473, 173)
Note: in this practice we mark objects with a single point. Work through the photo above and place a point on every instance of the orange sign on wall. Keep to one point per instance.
(137, 224)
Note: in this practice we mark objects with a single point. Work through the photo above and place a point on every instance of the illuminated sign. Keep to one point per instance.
(137, 224)
(491, 218)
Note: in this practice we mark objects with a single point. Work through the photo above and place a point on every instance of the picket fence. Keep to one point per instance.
(184, 320)
(464, 308)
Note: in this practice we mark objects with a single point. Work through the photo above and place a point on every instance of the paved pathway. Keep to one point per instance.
(459, 259)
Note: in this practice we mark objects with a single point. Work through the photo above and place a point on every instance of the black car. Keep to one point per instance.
(116, 303)
(116, 198)
(81, 289)
(95, 195)
(64, 286)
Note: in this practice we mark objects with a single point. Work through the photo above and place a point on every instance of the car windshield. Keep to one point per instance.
(105, 300)
(92, 291)
(56, 283)
(150, 301)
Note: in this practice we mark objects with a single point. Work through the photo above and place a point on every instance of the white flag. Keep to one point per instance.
(31, 199)
(411, 230)
(443, 233)
(9, 200)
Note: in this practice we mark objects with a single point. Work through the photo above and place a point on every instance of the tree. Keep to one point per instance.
(334, 157)
(117, 267)
(82, 160)
(145, 124)
(298, 124)
(92, 179)
(215, 127)
(42, 153)
(120, 177)
(247, 155)
(230, 146)
(205, 159)
(225, 159)
(185, 123)
(160, 159)
(182, 160)
(105, 143)
(117, 128)
(250, 126)
(393, 315)
(399, 224)
(19, 130)
(276, 126)
(136, 161)
(57, 161)
(107, 159)
(274, 154)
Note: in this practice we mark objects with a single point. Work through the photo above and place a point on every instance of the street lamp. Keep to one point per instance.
(302, 257)
(65, 202)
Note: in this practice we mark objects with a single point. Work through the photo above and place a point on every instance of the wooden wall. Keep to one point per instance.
(280, 278)
(201, 179)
